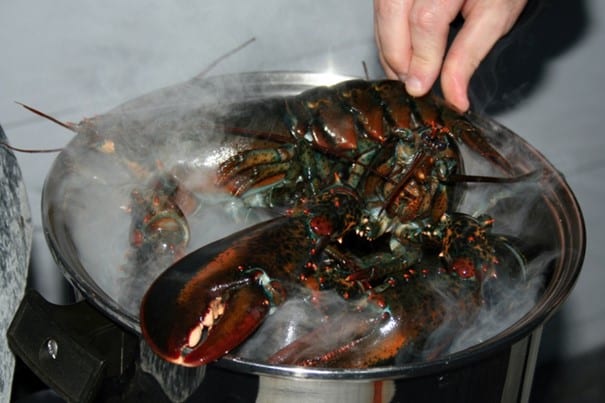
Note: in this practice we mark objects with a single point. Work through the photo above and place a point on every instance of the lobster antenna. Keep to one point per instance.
(68, 126)
(365, 69)
(457, 178)
(404, 181)
(29, 150)
(225, 56)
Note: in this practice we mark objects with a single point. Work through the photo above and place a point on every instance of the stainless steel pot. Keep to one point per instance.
(499, 368)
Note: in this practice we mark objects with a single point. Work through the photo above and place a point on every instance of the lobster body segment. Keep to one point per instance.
(364, 178)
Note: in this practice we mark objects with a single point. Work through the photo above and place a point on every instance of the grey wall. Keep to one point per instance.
(77, 59)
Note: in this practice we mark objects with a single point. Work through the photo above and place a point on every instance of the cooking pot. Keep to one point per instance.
(497, 368)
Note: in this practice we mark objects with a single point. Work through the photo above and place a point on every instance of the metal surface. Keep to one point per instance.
(561, 228)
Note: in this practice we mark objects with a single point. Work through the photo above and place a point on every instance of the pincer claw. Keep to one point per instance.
(215, 335)
(210, 301)
(191, 327)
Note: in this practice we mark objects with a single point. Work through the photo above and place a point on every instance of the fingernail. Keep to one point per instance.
(413, 85)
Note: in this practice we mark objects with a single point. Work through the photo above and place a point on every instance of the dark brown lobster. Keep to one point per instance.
(363, 177)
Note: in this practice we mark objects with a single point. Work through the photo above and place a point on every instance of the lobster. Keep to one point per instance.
(363, 179)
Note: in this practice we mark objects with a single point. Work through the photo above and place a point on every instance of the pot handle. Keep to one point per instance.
(72, 348)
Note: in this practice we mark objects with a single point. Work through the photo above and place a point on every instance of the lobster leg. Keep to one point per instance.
(242, 171)
(473, 137)
(211, 300)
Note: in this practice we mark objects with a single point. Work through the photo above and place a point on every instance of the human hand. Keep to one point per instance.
(412, 38)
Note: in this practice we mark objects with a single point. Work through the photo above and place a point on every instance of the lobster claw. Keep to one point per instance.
(184, 335)
(211, 300)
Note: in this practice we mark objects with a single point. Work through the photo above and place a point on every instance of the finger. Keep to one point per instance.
(483, 27)
(392, 34)
(429, 27)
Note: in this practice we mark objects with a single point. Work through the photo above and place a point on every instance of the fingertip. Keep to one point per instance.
(455, 90)
(414, 86)
(462, 104)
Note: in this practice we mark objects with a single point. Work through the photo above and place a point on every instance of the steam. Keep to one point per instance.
(171, 131)
(122, 152)
(298, 318)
